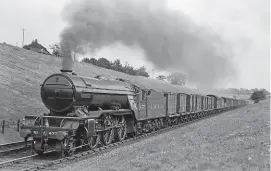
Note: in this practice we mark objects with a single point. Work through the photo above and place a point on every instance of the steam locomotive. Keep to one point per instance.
(87, 112)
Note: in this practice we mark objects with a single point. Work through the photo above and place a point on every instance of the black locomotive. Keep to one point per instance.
(86, 112)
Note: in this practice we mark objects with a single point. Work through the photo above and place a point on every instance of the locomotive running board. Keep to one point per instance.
(97, 114)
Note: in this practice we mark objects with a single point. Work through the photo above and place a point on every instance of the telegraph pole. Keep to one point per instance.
(23, 37)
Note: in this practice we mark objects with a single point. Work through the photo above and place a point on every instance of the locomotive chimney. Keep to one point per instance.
(65, 70)
(67, 60)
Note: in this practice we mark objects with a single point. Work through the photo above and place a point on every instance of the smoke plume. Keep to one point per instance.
(170, 39)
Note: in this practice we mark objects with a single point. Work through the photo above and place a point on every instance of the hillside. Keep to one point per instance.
(23, 71)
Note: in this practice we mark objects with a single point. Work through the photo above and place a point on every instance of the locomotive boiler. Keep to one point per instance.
(64, 93)
(83, 112)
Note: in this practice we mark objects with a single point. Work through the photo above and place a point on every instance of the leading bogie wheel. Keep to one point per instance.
(70, 145)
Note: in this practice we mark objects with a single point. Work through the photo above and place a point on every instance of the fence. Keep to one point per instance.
(10, 124)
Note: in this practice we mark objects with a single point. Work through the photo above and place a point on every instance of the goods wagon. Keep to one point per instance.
(89, 111)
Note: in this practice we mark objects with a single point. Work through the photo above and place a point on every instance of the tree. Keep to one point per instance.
(177, 78)
(256, 96)
(142, 72)
(129, 69)
(92, 61)
(102, 62)
(56, 50)
(86, 60)
(116, 65)
(266, 93)
(36, 47)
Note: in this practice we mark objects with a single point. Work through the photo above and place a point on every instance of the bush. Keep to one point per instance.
(56, 50)
(117, 66)
(256, 96)
(102, 62)
(142, 72)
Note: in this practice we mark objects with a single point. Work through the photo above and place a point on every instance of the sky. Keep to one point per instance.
(244, 24)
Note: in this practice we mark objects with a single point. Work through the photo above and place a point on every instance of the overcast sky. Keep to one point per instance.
(245, 24)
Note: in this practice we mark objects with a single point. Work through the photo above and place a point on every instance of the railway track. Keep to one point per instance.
(14, 147)
(14, 150)
(51, 161)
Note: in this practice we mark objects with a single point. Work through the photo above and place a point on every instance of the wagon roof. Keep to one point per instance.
(213, 95)
(160, 86)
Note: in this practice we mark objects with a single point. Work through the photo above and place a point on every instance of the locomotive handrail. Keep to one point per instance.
(52, 128)
(112, 91)
(31, 116)
(89, 90)
(97, 88)
(80, 118)
(56, 84)
(66, 117)
(94, 114)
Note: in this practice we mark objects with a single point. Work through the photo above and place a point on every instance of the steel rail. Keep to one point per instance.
(95, 152)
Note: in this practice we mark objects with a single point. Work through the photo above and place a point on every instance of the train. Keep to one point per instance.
(88, 112)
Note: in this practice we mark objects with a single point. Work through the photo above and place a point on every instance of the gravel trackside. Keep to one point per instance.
(234, 140)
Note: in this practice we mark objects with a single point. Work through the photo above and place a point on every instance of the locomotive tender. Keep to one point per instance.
(86, 112)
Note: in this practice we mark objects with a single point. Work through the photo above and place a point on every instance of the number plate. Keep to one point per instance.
(52, 133)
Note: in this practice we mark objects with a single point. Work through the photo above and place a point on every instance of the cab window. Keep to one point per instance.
(143, 95)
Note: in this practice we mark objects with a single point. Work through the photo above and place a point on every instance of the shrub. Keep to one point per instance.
(117, 66)
(256, 96)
